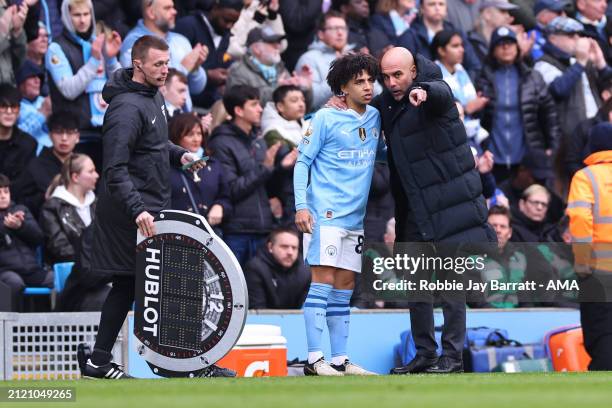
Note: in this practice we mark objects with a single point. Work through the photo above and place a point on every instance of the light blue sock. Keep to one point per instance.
(314, 317)
(338, 320)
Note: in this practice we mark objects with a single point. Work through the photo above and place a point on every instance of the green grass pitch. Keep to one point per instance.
(554, 390)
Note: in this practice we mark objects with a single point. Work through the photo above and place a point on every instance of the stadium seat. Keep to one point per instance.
(31, 297)
(34, 291)
(61, 271)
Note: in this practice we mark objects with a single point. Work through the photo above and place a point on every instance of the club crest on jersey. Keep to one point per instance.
(308, 131)
(375, 133)
(305, 141)
(362, 134)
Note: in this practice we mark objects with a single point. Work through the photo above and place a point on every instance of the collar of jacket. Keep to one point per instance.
(604, 156)
(326, 49)
(238, 132)
(521, 219)
(420, 29)
(274, 265)
(475, 35)
(556, 53)
(46, 154)
(12, 141)
(491, 66)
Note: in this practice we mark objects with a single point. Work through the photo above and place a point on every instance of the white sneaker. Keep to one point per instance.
(348, 368)
(321, 368)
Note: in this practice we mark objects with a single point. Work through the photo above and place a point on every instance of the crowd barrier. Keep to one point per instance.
(43, 345)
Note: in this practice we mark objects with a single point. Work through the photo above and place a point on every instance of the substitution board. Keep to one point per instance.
(191, 296)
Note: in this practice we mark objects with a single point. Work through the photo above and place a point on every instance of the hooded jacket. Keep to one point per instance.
(290, 133)
(241, 157)
(274, 124)
(77, 76)
(437, 190)
(63, 219)
(136, 173)
(525, 229)
(271, 286)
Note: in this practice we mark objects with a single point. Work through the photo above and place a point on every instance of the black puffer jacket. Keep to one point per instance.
(62, 227)
(242, 157)
(525, 229)
(380, 204)
(18, 247)
(273, 287)
(437, 190)
(538, 109)
(136, 174)
(16, 153)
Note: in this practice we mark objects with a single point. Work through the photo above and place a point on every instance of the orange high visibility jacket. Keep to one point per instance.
(590, 210)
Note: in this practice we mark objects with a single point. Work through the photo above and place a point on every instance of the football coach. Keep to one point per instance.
(436, 187)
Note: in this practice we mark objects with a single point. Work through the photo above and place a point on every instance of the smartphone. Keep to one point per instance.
(190, 164)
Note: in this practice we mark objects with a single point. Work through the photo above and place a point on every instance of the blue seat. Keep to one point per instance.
(36, 291)
(62, 271)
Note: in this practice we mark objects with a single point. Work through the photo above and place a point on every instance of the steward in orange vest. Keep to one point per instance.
(590, 210)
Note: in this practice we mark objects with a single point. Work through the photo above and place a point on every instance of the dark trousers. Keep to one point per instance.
(423, 329)
(244, 246)
(17, 282)
(422, 306)
(596, 320)
(114, 311)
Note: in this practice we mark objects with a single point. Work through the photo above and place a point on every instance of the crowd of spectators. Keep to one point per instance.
(531, 78)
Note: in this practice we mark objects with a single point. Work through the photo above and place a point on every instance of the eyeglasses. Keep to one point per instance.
(336, 28)
(6, 109)
(536, 203)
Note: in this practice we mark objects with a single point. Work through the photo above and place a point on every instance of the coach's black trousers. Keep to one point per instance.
(453, 331)
(115, 309)
(422, 304)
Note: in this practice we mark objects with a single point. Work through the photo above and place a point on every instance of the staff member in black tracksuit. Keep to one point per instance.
(436, 188)
(135, 179)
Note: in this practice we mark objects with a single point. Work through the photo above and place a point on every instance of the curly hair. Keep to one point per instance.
(348, 67)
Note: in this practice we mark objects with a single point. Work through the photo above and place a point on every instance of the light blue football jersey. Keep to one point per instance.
(340, 148)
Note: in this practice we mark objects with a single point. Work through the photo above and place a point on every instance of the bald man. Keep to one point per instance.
(436, 187)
